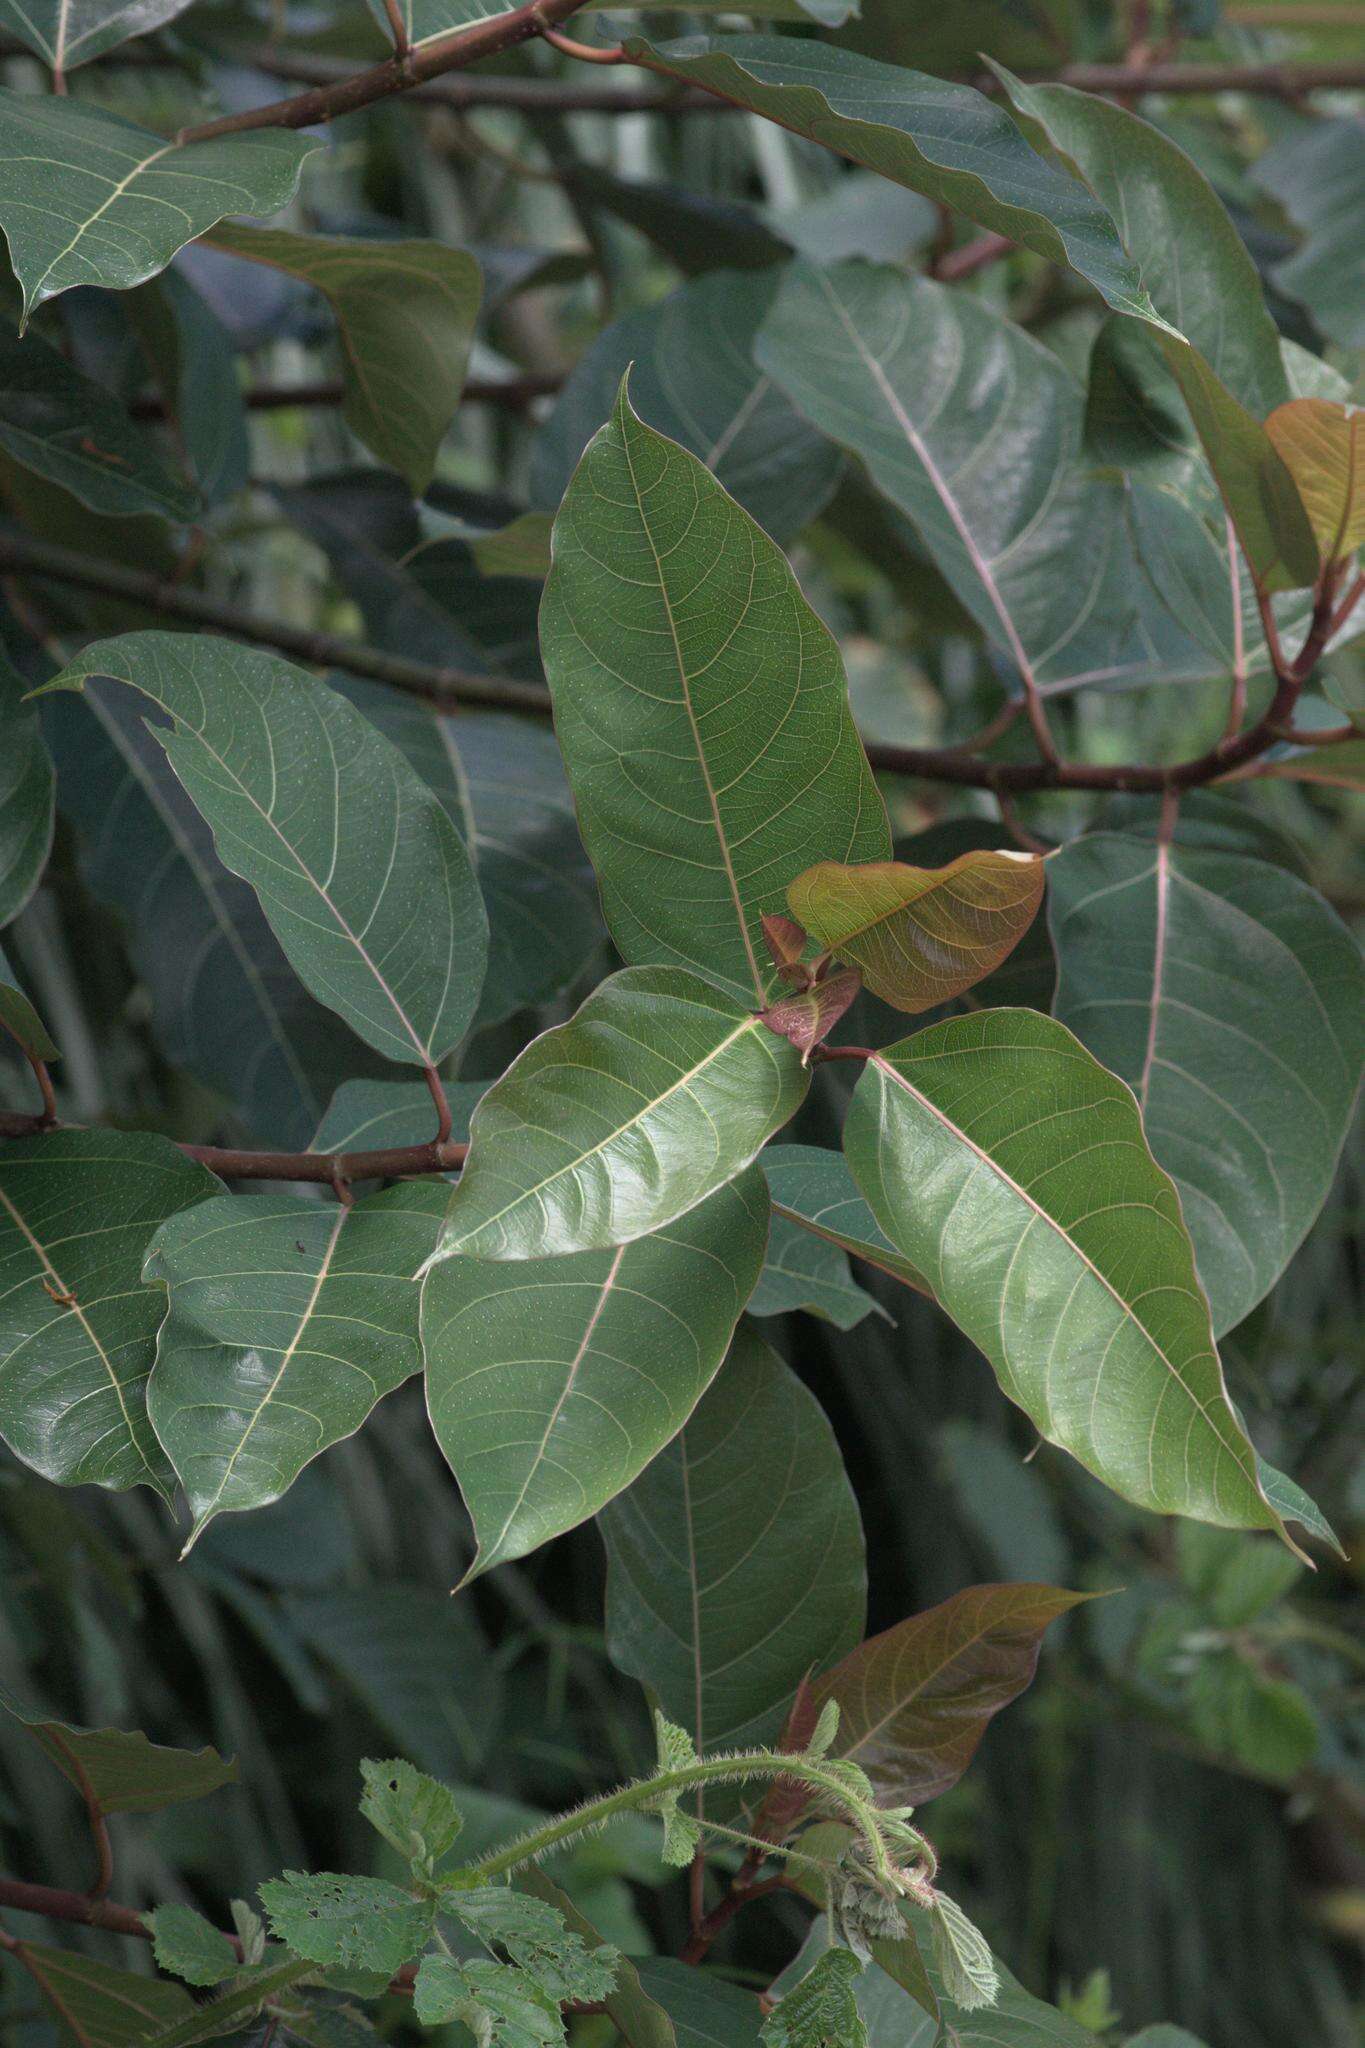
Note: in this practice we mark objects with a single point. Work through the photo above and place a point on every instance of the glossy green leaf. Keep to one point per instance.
(656, 1092)
(69, 429)
(224, 1001)
(120, 1771)
(947, 141)
(921, 935)
(26, 796)
(915, 1701)
(362, 1923)
(405, 314)
(1317, 173)
(1231, 998)
(693, 377)
(995, 1152)
(66, 33)
(20, 1021)
(803, 1271)
(1223, 351)
(371, 1116)
(88, 198)
(357, 866)
(189, 1947)
(701, 708)
(77, 1328)
(736, 1558)
(98, 2006)
(813, 1189)
(551, 1383)
(269, 1353)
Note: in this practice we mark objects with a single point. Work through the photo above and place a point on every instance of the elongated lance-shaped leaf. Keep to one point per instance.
(921, 935)
(551, 1383)
(1223, 350)
(915, 1701)
(1323, 447)
(66, 33)
(88, 198)
(362, 875)
(270, 1353)
(1003, 1159)
(657, 1091)
(701, 707)
(1231, 998)
(26, 796)
(77, 1328)
(736, 1558)
(118, 1770)
(405, 315)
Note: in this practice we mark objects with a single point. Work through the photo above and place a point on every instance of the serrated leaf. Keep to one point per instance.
(88, 198)
(534, 1934)
(77, 1328)
(915, 1701)
(815, 1193)
(551, 1383)
(363, 1923)
(921, 935)
(1322, 445)
(359, 870)
(608, 1128)
(753, 1498)
(501, 2006)
(416, 1814)
(97, 2006)
(120, 1771)
(270, 1353)
(26, 796)
(997, 1152)
(185, 1943)
(405, 314)
(67, 33)
(966, 1965)
(1231, 998)
(641, 2022)
(20, 1021)
(70, 430)
(701, 709)
(821, 2010)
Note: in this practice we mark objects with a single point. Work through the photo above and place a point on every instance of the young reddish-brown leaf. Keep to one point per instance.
(921, 935)
(808, 1015)
(784, 939)
(914, 1701)
(1322, 445)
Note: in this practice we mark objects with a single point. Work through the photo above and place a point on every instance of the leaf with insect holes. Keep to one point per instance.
(120, 1771)
(415, 1814)
(1323, 447)
(701, 706)
(998, 1154)
(502, 2007)
(821, 2009)
(185, 1944)
(362, 1923)
(558, 1962)
(921, 935)
(362, 875)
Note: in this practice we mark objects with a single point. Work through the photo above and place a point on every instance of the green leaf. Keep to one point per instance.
(895, 2018)
(703, 716)
(97, 2006)
(1318, 175)
(405, 314)
(1224, 353)
(26, 796)
(552, 1383)
(357, 866)
(996, 1153)
(120, 1771)
(426, 18)
(803, 1271)
(915, 1701)
(813, 1190)
(271, 1353)
(372, 1116)
(693, 377)
(1231, 998)
(196, 361)
(821, 2010)
(362, 1923)
(67, 428)
(947, 141)
(641, 2022)
(753, 1500)
(533, 1932)
(20, 1020)
(67, 33)
(77, 1328)
(184, 1943)
(1260, 1723)
(416, 1814)
(88, 198)
(502, 2007)
(655, 1093)
(965, 1963)
(250, 1993)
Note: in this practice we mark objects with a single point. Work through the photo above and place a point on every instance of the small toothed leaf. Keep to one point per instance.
(822, 2010)
(413, 1812)
(965, 1962)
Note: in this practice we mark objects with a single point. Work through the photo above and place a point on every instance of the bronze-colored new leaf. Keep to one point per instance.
(921, 935)
(807, 1016)
(914, 1701)
(1322, 444)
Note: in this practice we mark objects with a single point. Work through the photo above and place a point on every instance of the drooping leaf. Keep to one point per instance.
(641, 2020)
(26, 796)
(813, 1189)
(1231, 998)
(359, 870)
(362, 1923)
(371, 1116)
(118, 1770)
(416, 1814)
(736, 1558)
(1318, 176)
(551, 1383)
(270, 1353)
(693, 377)
(20, 1021)
(88, 198)
(965, 1963)
(189, 1947)
(536, 1937)
(921, 935)
(657, 1091)
(821, 2008)
(994, 1151)
(1323, 447)
(77, 1328)
(98, 2006)
(69, 429)
(67, 33)
(915, 1701)
(701, 707)
(405, 314)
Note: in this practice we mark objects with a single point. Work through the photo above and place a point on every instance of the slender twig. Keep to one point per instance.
(439, 1098)
(41, 1076)
(586, 53)
(971, 257)
(328, 1169)
(516, 393)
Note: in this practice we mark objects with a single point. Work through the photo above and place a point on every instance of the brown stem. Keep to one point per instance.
(971, 257)
(718, 1919)
(516, 393)
(585, 53)
(438, 1096)
(41, 1076)
(393, 1162)
(452, 52)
